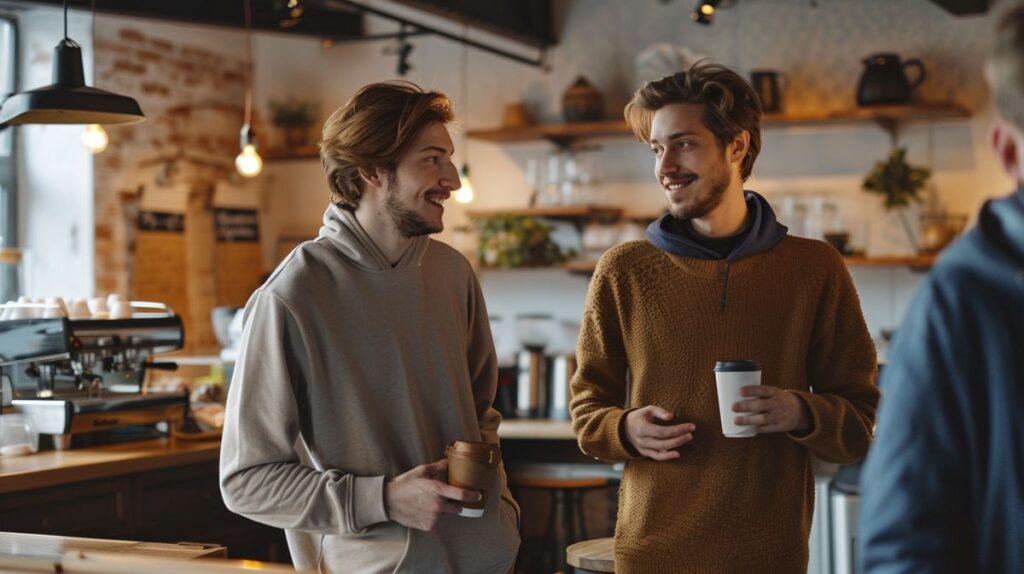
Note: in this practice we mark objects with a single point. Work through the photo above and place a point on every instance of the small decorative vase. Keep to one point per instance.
(296, 136)
(582, 102)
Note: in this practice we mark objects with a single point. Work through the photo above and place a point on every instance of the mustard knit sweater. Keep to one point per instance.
(727, 505)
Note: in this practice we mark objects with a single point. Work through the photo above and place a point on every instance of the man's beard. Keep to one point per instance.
(702, 204)
(406, 221)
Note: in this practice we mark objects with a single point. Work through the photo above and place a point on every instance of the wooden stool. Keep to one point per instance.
(566, 484)
(592, 556)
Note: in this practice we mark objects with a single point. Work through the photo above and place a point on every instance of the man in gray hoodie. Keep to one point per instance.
(364, 354)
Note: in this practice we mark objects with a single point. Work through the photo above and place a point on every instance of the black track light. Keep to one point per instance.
(704, 13)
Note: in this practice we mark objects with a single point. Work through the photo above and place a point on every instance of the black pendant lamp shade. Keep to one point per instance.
(68, 100)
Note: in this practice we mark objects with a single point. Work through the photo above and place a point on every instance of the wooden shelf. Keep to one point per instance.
(302, 152)
(571, 212)
(887, 116)
(556, 132)
(567, 133)
(916, 262)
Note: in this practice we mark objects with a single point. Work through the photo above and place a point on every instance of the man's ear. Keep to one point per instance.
(1005, 144)
(739, 146)
(371, 176)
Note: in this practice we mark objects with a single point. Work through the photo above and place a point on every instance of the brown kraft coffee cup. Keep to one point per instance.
(472, 465)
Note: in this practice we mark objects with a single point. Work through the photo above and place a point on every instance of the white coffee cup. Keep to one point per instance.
(113, 299)
(79, 309)
(730, 377)
(121, 310)
(98, 307)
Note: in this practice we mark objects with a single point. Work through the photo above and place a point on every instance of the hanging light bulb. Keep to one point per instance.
(248, 162)
(95, 138)
(465, 193)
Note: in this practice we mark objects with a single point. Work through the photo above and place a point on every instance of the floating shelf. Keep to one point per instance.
(302, 152)
(571, 212)
(887, 116)
(915, 262)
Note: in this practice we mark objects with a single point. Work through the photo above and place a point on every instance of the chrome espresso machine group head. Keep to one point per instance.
(85, 375)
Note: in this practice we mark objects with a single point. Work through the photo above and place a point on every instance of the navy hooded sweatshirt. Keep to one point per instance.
(763, 233)
(943, 486)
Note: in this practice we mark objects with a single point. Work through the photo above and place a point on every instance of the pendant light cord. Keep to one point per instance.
(65, 19)
(465, 91)
(248, 60)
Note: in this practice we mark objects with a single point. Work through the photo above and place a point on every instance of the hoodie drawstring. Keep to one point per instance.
(725, 287)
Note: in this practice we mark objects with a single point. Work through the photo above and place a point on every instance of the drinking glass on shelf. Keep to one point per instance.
(570, 182)
(532, 180)
(552, 189)
(534, 329)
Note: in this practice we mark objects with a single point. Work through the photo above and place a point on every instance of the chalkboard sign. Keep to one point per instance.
(157, 221)
(237, 224)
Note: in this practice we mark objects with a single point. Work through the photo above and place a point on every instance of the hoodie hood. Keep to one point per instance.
(1001, 224)
(343, 231)
(765, 231)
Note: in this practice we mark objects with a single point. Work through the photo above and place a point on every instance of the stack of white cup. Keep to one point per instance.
(113, 306)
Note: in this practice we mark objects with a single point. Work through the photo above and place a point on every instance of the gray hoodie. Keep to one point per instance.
(352, 371)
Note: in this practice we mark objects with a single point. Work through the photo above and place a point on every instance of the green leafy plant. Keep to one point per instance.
(896, 180)
(900, 184)
(293, 113)
(517, 241)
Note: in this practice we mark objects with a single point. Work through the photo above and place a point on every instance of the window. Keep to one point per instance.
(9, 288)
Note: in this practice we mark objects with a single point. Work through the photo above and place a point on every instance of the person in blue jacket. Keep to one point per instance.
(943, 485)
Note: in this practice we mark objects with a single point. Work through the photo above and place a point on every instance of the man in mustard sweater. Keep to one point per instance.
(718, 278)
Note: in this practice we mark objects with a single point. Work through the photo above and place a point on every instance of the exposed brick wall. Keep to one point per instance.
(193, 98)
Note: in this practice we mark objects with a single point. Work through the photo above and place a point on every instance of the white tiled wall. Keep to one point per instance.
(885, 293)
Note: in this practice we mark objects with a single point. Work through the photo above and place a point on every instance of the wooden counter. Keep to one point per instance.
(33, 553)
(159, 490)
(536, 429)
(54, 468)
(12, 543)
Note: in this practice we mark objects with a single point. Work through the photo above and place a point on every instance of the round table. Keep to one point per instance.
(592, 556)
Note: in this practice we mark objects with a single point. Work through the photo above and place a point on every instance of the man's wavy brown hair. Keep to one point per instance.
(373, 130)
(730, 105)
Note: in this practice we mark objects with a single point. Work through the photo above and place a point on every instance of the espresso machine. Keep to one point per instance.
(75, 376)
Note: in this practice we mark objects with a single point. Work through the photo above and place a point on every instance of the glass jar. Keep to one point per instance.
(18, 435)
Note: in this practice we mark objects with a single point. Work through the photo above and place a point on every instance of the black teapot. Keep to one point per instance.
(885, 82)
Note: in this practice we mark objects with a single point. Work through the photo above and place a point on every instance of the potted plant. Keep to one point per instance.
(294, 117)
(900, 185)
(517, 241)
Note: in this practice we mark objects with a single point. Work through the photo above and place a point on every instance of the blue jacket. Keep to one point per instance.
(943, 485)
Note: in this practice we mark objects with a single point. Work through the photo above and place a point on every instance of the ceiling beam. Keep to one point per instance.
(316, 20)
(965, 7)
(526, 21)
